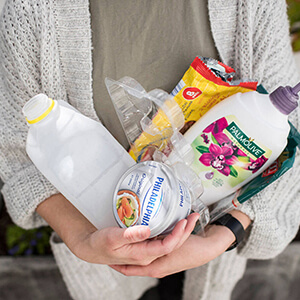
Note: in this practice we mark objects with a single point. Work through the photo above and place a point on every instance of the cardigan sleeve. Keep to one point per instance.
(24, 186)
(275, 211)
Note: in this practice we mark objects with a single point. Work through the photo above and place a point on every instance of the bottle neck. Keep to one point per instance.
(285, 99)
(52, 114)
(38, 108)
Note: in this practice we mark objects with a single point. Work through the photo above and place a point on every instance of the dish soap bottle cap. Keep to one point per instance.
(285, 99)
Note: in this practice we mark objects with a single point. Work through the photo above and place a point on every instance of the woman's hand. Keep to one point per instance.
(132, 245)
(194, 252)
(111, 245)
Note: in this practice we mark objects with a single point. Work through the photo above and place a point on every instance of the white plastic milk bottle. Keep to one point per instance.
(77, 155)
(239, 138)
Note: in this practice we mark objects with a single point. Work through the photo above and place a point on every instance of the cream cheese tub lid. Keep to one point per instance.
(142, 197)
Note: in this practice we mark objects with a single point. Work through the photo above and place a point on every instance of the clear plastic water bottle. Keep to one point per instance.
(77, 155)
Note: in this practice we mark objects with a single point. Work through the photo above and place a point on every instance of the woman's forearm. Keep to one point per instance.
(242, 217)
(65, 219)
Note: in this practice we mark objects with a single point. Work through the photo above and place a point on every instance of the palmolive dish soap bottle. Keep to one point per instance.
(77, 155)
(239, 138)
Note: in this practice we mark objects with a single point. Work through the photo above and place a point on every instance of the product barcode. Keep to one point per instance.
(178, 87)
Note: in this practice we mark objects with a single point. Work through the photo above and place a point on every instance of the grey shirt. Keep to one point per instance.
(149, 40)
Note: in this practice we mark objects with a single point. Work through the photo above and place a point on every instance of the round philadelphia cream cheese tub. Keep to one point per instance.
(149, 194)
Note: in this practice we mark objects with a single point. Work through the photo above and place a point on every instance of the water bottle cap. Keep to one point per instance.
(285, 99)
(37, 108)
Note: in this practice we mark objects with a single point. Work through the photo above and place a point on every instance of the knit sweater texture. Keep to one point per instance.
(46, 47)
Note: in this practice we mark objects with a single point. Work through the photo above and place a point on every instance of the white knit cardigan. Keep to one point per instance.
(45, 46)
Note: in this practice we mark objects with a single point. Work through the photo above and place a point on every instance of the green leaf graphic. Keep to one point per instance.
(202, 149)
(233, 172)
(244, 159)
(214, 140)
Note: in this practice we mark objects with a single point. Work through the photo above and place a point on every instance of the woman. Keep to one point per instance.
(61, 49)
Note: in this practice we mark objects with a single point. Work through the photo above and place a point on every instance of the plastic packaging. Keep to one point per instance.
(238, 139)
(205, 83)
(154, 137)
(77, 155)
(151, 194)
(139, 112)
(149, 119)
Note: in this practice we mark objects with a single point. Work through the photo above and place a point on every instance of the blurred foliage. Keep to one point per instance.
(28, 242)
(294, 17)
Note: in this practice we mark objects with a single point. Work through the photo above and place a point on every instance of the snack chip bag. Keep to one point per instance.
(205, 83)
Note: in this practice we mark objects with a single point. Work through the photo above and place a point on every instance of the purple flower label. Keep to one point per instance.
(221, 154)
(220, 158)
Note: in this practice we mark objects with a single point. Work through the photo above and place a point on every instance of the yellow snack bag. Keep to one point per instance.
(204, 84)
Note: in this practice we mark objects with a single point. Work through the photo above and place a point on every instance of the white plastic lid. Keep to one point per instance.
(137, 184)
(36, 107)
